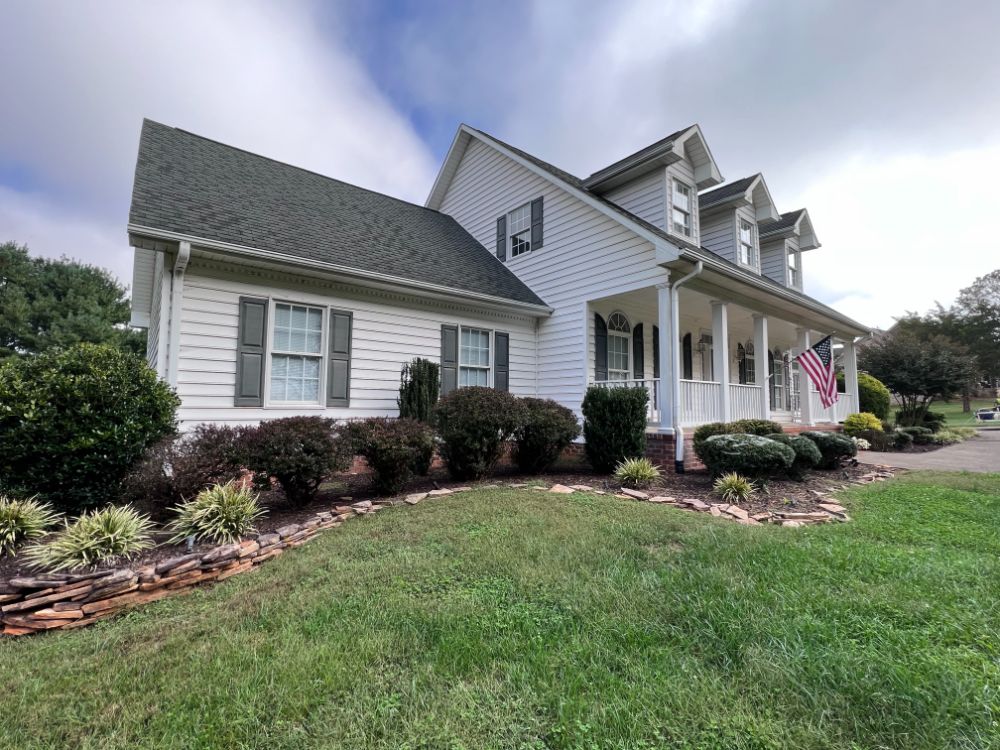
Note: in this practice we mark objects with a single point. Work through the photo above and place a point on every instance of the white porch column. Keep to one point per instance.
(851, 372)
(664, 314)
(805, 386)
(760, 345)
(720, 355)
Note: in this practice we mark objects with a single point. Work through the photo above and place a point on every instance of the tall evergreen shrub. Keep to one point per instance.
(419, 385)
(614, 425)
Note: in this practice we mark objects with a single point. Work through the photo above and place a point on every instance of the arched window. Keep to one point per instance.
(619, 341)
(749, 364)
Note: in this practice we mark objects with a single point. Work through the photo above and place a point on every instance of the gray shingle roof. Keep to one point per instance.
(652, 148)
(786, 221)
(725, 192)
(191, 185)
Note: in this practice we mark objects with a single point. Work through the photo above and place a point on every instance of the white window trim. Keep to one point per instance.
(692, 207)
(754, 249)
(489, 370)
(630, 372)
(323, 355)
(510, 232)
(793, 280)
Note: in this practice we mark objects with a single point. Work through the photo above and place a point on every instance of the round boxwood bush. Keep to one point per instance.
(901, 440)
(474, 424)
(614, 425)
(74, 421)
(873, 396)
(547, 429)
(920, 435)
(748, 455)
(856, 424)
(763, 427)
(394, 448)
(807, 455)
(833, 446)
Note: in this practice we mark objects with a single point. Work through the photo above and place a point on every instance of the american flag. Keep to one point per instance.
(818, 364)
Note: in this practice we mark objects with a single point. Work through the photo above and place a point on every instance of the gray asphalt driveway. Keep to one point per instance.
(981, 453)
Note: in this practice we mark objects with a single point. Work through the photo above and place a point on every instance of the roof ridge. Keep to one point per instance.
(286, 164)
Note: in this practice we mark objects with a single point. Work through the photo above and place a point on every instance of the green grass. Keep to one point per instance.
(513, 619)
(958, 418)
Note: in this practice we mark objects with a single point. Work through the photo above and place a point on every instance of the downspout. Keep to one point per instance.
(675, 364)
(176, 300)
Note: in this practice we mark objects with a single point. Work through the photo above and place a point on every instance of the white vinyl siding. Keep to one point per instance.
(772, 261)
(581, 245)
(388, 330)
(645, 197)
(717, 234)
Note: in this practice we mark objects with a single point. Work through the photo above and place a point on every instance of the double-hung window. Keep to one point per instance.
(746, 244)
(474, 357)
(519, 229)
(682, 208)
(296, 353)
(793, 270)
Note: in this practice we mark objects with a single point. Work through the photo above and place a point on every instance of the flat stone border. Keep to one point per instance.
(31, 605)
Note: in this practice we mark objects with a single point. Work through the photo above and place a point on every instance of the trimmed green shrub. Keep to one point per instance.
(879, 440)
(175, 470)
(749, 455)
(97, 536)
(637, 472)
(873, 396)
(807, 455)
(393, 448)
(920, 435)
(855, 424)
(474, 424)
(22, 521)
(932, 420)
(833, 446)
(547, 429)
(614, 425)
(734, 488)
(952, 435)
(901, 440)
(419, 386)
(222, 514)
(296, 452)
(763, 427)
(73, 422)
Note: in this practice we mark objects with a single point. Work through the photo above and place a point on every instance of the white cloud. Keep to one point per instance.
(253, 74)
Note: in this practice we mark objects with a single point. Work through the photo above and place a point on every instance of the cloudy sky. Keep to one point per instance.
(881, 117)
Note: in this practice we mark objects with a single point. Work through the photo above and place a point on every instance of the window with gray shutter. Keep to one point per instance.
(501, 361)
(537, 209)
(252, 335)
(502, 237)
(338, 387)
(600, 348)
(449, 359)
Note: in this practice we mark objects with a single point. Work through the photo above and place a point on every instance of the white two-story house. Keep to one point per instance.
(269, 290)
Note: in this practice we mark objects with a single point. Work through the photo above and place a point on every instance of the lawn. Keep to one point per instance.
(512, 619)
(958, 418)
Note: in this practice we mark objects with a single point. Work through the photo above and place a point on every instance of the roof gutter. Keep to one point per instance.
(372, 278)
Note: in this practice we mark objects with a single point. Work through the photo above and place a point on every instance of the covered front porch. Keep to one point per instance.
(734, 361)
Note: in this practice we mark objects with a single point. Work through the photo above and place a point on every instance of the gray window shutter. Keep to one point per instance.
(502, 238)
(449, 359)
(252, 335)
(656, 351)
(536, 223)
(600, 348)
(687, 357)
(338, 386)
(638, 353)
(501, 361)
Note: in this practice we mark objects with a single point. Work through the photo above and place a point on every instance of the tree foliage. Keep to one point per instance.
(46, 304)
(919, 365)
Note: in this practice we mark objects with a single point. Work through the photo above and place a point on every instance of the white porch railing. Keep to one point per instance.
(744, 401)
(652, 386)
(836, 413)
(699, 402)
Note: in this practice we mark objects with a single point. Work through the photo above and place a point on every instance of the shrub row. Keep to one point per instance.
(725, 448)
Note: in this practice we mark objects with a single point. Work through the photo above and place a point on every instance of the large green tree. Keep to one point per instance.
(46, 304)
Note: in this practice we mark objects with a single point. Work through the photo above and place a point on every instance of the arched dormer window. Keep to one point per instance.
(619, 343)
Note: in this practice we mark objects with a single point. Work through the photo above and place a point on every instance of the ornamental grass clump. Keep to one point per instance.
(734, 488)
(637, 472)
(96, 537)
(23, 520)
(222, 514)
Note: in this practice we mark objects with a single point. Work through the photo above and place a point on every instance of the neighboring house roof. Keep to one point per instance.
(190, 185)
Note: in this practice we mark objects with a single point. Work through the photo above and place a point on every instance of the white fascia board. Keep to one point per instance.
(660, 244)
(706, 175)
(455, 152)
(768, 210)
(369, 278)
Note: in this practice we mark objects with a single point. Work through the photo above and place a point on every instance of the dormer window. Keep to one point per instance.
(747, 256)
(519, 229)
(793, 270)
(682, 208)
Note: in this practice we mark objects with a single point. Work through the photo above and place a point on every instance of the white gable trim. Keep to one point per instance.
(665, 251)
(706, 172)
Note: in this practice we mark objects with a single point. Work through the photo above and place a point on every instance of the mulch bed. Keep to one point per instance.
(778, 495)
